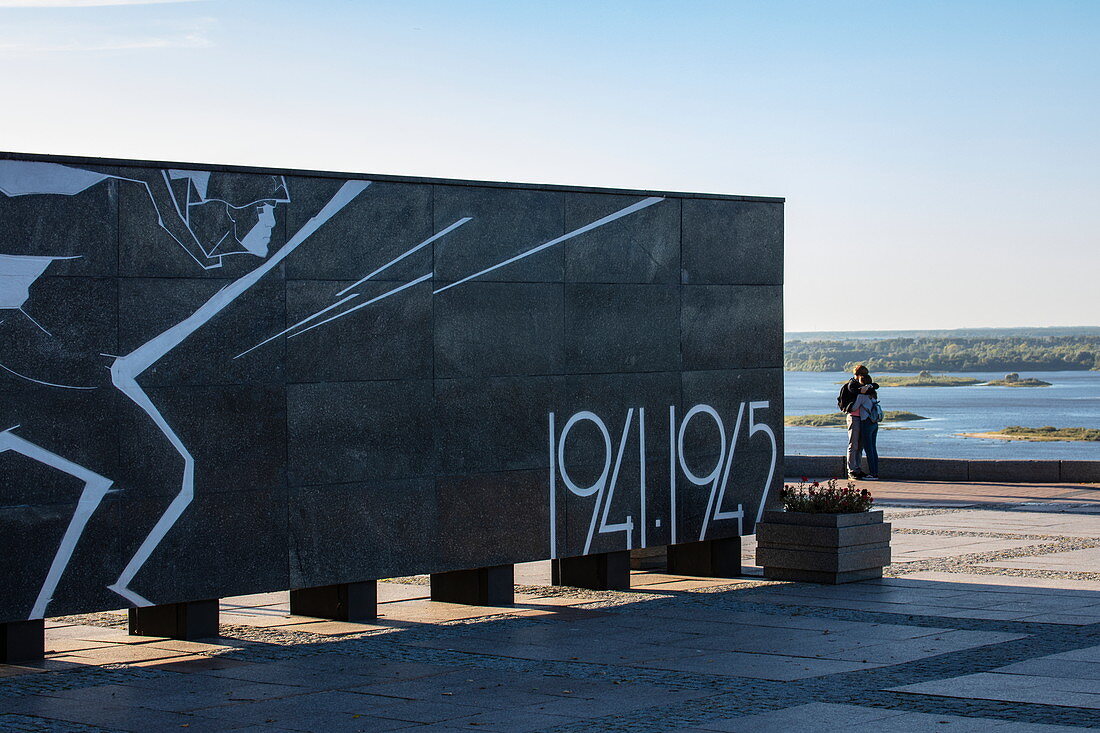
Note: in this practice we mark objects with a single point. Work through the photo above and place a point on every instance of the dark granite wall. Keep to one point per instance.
(150, 454)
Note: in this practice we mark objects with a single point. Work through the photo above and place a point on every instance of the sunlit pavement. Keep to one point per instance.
(990, 620)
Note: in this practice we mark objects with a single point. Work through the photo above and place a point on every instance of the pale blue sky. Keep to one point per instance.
(952, 146)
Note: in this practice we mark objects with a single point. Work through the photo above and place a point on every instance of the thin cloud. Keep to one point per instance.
(83, 3)
(193, 34)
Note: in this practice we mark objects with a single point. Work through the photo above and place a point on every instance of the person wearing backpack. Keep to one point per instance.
(870, 415)
(846, 403)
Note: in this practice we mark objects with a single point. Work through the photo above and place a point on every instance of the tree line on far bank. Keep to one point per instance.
(1047, 353)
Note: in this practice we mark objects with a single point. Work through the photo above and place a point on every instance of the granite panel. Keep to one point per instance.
(62, 332)
(492, 519)
(379, 225)
(497, 424)
(160, 235)
(732, 327)
(642, 247)
(732, 242)
(362, 531)
(73, 425)
(610, 397)
(224, 543)
(497, 329)
(619, 495)
(504, 223)
(148, 307)
(622, 328)
(359, 431)
(388, 339)
(30, 535)
(731, 394)
(82, 228)
(236, 435)
(582, 456)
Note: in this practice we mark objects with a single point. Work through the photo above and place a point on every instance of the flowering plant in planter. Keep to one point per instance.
(812, 497)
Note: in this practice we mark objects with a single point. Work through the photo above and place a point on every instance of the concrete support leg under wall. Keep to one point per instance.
(709, 558)
(490, 586)
(341, 602)
(188, 620)
(22, 641)
(602, 571)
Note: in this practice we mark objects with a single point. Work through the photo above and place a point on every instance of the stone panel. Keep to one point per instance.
(232, 540)
(54, 341)
(732, 242)
(732, 327)
(732, 395)
(379, 225)
(622, 328)
(486, 425)
(359, 431)
(362, 531)
(643, 247)
(388, 339)
(148, 307)
(81, 228)
(30, 535)
(79, 426)
(160, 235)
(504, 223)
(492, 519)
(494, 329)
(236, 435)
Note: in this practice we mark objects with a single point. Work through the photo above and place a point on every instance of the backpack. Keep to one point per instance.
(876, 412)
(840, 403)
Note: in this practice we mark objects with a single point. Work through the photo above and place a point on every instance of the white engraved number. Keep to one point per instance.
(754, 428)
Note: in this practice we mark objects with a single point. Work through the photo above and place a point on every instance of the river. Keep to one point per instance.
(1072, 401)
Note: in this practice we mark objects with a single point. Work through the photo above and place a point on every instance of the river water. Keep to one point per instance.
(1072, 401)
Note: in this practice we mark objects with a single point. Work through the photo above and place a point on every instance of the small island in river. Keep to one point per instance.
(836, 419)
(926, 379)
(1012, 379)
(1047, 432)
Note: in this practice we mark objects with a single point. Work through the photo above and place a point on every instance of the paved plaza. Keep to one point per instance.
(989, 620)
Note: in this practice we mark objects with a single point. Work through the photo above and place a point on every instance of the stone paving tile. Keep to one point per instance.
(910, 650)
(1013, 688)
(1072, 560)
(915, 547)
(810, 717)
(985, 520)
(290, 711)
(506, 721)
(945, 493)
(174, 697)
(125, 718)
(964, 582)
(826, 718)
(760, 666)
(1055, 666)
(121, 654)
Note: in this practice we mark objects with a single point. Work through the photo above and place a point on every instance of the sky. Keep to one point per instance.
(939, 160)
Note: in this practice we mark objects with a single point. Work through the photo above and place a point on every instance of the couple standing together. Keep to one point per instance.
(858, 399)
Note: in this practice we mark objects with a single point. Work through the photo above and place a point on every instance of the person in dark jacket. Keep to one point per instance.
(846, 402)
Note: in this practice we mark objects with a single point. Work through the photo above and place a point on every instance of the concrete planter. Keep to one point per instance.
(822, 548)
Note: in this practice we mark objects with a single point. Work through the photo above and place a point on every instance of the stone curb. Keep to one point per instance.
(952, 469)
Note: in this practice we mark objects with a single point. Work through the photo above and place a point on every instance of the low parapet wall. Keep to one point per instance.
(952, 469)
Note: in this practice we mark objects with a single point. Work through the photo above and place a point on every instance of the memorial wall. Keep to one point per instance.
(217, 381)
